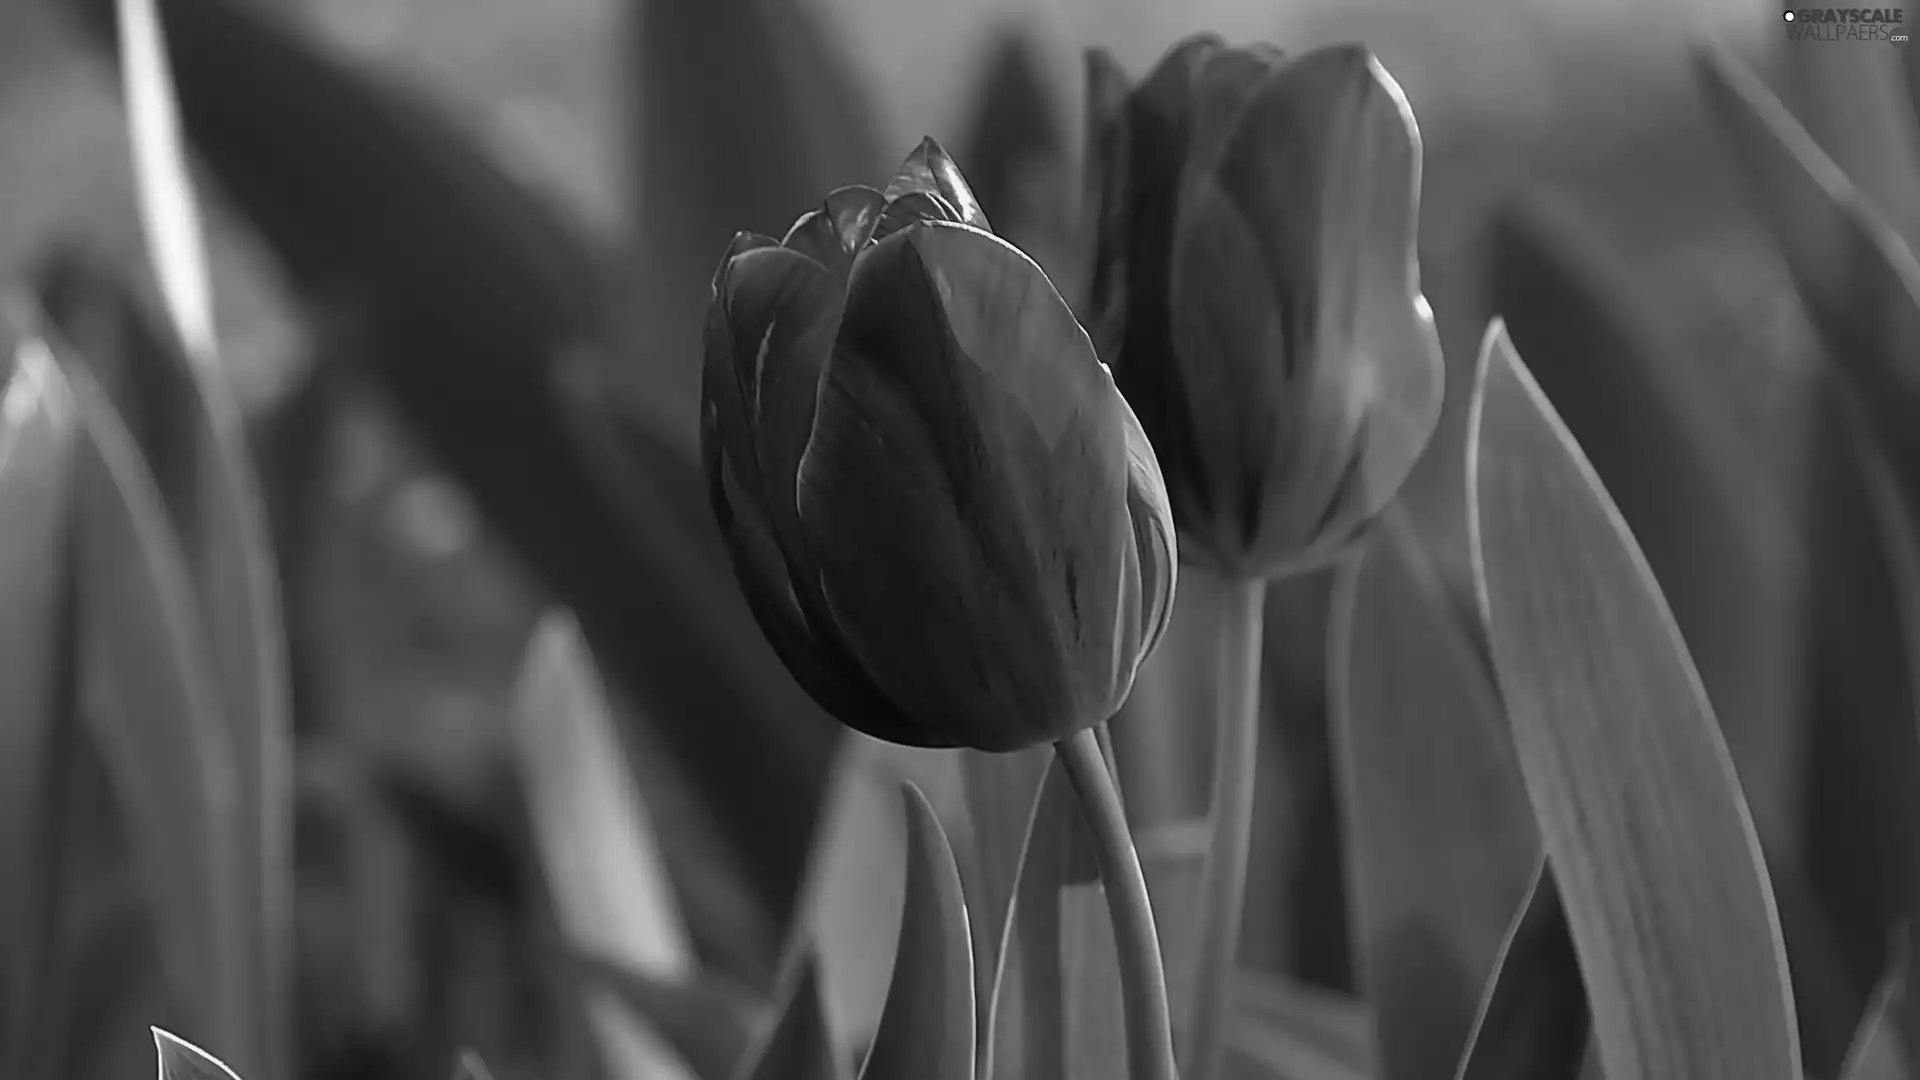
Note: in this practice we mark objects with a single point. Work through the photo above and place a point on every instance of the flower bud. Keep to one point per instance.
(1256, 292)
(943, 514)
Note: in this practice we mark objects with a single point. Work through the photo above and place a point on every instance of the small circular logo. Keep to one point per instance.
(1789, 16)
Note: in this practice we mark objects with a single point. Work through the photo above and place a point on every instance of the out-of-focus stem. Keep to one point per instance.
(1236, 756)
(1143, 977)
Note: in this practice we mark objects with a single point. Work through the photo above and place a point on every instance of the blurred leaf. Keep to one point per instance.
(1000, 790)
(187, 426)
(475, 296)
(471, 1067)
(1056, 1007)
(610, 889)
(1855, 105)
(1533, 1022)
(707, 1022)
(1640, 812)
(1875, 1054)
(220, 515)
(181, 1060)
(746, 114)
(926, 1030)
(1440, 837)
(1284, 1031)
(1860, 281)
(149, 701)
(797, 1044)
(37, 436)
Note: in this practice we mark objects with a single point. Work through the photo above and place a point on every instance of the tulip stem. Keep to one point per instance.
(1143, 977)
(1236, 757)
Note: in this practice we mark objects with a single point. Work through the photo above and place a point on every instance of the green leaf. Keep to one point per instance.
(37, 447)
(1056, 1010)
(149, 701)
(1440, 837)
(707, 1022)
(1876, 1053)
(181, 1060)
(1641, 816)
(1284, 1031)
(187, 426)
(1533, 1020)
(926, 1030)
(797, 1044)
(609, 886)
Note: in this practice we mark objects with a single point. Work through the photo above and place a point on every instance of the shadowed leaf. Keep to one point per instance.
(1284, 1031)
(1641, 817)
(926, 1030)
(37, 437)
(1855, 105)
(708, 1023)
(1439, 834)
(797, 1044)
(181, 1060)
(187, 426)
(1875, 1053)
(1533, 1022)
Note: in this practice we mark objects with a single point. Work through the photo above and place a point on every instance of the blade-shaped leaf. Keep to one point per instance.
(1854, 103)
(797, 1044)
(926, 1030)
(149, 701)
(187, 425)
(1288, 1032)
(1439, 834)
(1640, 813)
(381, 202)
(1860, 281)
(1875, 1053)
(181, 1060)
(1000, 789)
(609, 887)
(1533, 1021)
(1056, 1009)
(707, 1022)
(37, 437)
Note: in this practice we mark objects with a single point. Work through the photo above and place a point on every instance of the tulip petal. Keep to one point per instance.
(835, 233)
(965, 492)
(1153, 531)
(913, 208)
(781, 309)
(929, 169)
(1325, 165)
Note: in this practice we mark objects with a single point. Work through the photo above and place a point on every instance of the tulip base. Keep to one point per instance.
(1143, 977)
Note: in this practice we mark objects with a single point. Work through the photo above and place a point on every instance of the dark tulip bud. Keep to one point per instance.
(1256, 291)
(944, 515)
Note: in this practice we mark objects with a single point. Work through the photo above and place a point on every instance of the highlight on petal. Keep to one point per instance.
(1154, 535)
(181, 1060)
(965, 490)
(835, 233)
(929, 169)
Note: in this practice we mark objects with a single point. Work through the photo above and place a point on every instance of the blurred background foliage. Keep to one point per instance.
(461, 252)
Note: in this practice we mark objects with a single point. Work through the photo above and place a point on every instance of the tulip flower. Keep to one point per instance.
(943, 514)
(1254, 286)
(1256, 292)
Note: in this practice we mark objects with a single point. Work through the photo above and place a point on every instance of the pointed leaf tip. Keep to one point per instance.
(181, 1060)
(926, 1028)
